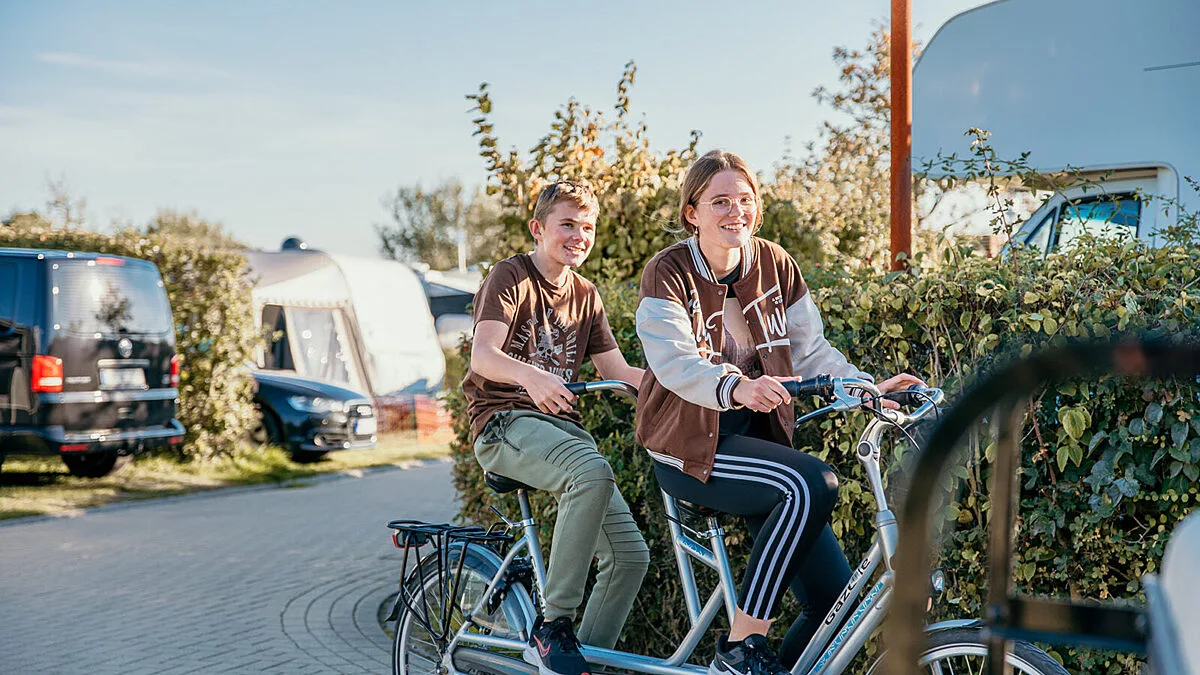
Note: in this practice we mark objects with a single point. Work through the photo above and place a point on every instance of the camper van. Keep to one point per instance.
(1103, 93)
(88, 369)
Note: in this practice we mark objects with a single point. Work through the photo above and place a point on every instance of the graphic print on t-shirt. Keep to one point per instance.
(549, 344)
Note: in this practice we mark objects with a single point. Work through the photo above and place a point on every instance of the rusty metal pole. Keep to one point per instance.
(901, 65)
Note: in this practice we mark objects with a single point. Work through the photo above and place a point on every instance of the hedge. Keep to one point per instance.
(1108, 467)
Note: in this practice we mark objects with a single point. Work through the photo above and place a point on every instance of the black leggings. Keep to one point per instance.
(786, 497)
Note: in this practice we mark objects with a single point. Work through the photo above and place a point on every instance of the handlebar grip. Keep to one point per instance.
(821, 385)
(577, 388)
(911, 397)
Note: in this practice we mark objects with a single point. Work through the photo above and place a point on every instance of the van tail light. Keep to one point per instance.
(47, 374)
(175, 370)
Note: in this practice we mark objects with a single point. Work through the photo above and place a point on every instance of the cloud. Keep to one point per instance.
(157, 69)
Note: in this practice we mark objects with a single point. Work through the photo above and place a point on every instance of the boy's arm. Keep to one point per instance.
(489, 360)
(612, 366)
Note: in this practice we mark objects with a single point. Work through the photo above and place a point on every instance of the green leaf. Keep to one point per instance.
(1158, 457)
(1097, 438)
(1028, 570)
(1174, 469)
(1192, 472)
(1154, 413)
(1137, 427)
(1179, 433)
(1075, 420)
(1064, 456)
(1076, 453)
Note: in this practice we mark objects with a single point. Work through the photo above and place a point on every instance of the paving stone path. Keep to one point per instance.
(243, 581)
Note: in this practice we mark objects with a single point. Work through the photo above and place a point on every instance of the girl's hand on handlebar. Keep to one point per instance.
(897, 383)
(549, 392)
(762, 394)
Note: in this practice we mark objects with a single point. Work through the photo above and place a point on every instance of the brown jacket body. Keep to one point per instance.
(680, 321)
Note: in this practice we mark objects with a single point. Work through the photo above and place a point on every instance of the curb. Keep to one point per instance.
(235, 490)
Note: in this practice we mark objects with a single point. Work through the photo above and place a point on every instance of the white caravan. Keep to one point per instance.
(1106, 88)
(362, 323)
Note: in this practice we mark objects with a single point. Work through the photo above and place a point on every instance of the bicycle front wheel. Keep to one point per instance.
(963, 651)
(425, 629)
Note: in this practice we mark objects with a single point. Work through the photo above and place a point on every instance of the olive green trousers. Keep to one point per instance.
(555, 455)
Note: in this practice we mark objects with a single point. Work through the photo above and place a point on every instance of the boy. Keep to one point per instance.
(536, 320)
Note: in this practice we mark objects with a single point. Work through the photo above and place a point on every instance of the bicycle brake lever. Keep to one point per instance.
(843, 401)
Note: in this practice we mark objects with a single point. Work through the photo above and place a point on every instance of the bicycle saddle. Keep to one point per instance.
(503, 485)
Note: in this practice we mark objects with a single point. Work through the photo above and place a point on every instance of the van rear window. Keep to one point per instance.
(109, 299)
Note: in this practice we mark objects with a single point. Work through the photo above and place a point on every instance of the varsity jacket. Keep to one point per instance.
(680, 323)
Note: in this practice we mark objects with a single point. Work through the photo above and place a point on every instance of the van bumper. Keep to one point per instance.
(54, 440)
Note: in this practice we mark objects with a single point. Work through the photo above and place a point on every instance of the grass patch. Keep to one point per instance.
(31, 486)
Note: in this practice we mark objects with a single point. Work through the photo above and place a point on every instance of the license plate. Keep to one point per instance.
(364, 426)
(122, 378)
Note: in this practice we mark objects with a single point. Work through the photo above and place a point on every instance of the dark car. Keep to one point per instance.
(311, 417)
(88, 369)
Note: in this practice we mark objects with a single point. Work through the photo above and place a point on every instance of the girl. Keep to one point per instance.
(724, 317)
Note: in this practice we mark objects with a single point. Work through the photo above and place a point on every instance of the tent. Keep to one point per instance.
(360, 322)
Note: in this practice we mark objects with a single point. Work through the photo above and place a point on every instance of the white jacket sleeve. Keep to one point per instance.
(665, 330)
(811, 353)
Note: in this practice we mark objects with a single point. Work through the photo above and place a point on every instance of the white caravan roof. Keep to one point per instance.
(1101, 84)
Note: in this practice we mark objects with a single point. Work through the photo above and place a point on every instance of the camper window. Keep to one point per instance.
(321, 348)
(1112, 216)
(278, 354)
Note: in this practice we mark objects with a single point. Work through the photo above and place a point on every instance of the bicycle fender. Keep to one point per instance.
(952, 624)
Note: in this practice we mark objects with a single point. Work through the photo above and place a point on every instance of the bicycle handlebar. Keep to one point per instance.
(618, 386)
(835, 390)
(821, 385)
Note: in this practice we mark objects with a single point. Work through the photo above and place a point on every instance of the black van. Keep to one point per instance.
(88, 368)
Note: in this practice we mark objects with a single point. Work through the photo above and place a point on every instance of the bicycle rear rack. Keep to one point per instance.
(445, 540)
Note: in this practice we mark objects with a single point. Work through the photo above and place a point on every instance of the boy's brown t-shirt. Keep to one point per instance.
(552, 327)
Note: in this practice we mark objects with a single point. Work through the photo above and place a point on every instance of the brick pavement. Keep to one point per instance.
(276, 580)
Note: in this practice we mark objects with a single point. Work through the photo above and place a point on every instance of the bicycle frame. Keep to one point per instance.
(844, 631)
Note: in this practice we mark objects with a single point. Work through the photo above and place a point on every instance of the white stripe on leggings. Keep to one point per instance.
(774, 474)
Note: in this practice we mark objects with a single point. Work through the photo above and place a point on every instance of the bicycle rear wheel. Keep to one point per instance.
(963, 651)
(421, 650)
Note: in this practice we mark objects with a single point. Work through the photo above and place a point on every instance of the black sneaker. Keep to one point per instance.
(751, 656)
(554, 649)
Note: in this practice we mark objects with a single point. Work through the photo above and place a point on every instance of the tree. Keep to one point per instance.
(26, 220)
(64, 210)
(427, 224)
(189, 229)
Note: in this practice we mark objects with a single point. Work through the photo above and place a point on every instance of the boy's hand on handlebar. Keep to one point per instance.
(762, 394)
(548, 392)
(898, 382)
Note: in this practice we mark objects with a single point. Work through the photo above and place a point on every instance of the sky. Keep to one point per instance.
(279, 118)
